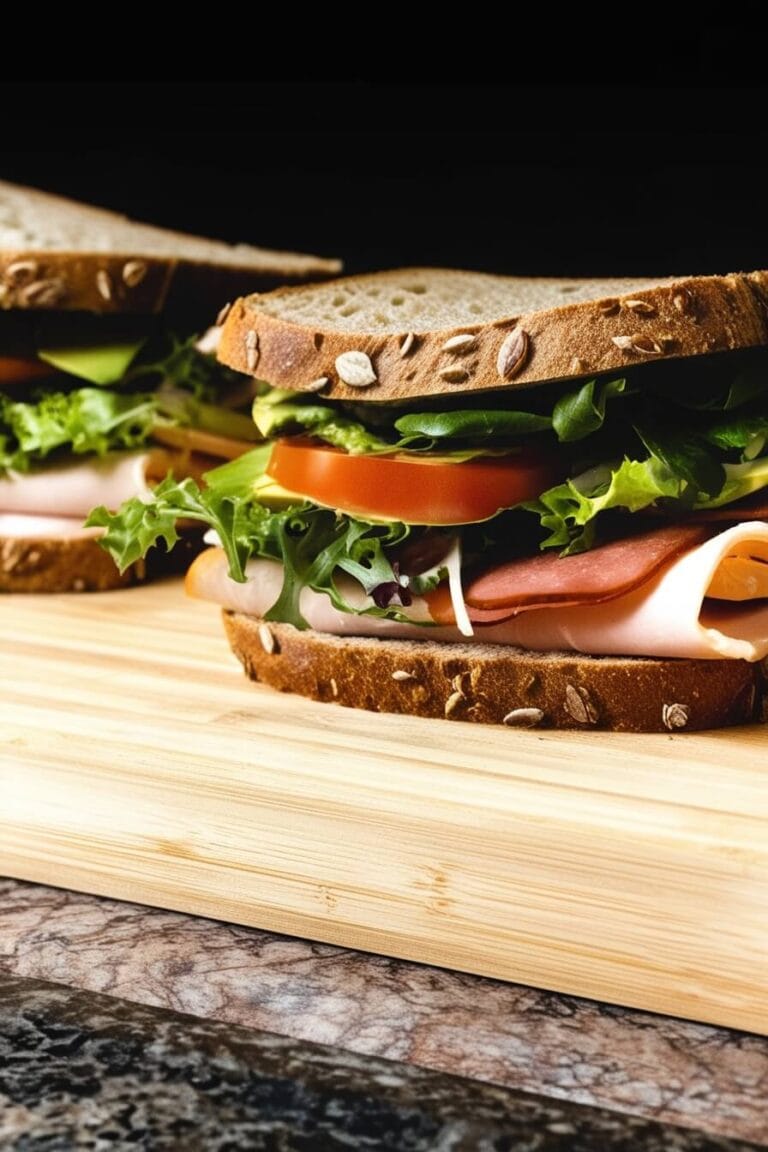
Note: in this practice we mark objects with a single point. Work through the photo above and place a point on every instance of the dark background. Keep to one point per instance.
(566, 179)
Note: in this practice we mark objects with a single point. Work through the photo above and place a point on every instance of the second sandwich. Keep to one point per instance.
(104, 387)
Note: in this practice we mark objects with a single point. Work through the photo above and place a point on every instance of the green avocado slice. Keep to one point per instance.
(96, 363)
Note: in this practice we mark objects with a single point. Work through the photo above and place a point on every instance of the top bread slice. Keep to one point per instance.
(59, 254)
(427, 331)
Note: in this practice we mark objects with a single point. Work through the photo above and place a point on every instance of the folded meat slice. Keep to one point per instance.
(72, 489)
(710, 602)
(547, 579)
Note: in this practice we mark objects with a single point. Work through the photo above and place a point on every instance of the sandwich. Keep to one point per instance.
(104, 385)
(492, 499)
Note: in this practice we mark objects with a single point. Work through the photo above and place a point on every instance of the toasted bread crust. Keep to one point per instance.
(490, 684)
(79, 564)
(693, 316)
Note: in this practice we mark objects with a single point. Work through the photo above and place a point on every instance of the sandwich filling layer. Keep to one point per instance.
(597, 515)
(711, 602)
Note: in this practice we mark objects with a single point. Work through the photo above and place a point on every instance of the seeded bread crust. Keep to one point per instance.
(490, 684)
(58, 254)
(79, 564)
(620, 326)
(124, 284)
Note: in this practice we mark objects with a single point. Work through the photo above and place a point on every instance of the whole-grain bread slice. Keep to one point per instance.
(492, 684)
(79, 564)
(59, 254)
(425, 331)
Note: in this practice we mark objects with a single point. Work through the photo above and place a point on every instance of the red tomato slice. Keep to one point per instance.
(414, 489)
(18, 369)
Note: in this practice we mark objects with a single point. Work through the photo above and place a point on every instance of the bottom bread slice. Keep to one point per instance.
(79, 564)
(491, 684)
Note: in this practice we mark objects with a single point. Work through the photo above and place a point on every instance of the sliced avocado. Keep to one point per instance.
(224, 422)
(272, 495)
(98, 364)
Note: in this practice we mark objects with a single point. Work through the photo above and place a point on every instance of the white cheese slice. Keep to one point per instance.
(674, 614)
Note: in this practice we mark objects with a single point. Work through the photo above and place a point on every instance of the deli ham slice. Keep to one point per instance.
(710, 603)
(207, 579)
(72, 489)
(586, 578)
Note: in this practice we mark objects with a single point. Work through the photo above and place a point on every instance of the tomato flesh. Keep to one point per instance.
(18, 369)
(414, 489)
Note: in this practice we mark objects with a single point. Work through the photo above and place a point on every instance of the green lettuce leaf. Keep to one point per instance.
(183, 366)
(697, 444)
(470, 423)
(579, 413)
(740, 480)
(238, 478)
(685, 453)
(275, 416)
(568, 510)
(737, 432)
(86, 420)
(139, 524)
(313, 544)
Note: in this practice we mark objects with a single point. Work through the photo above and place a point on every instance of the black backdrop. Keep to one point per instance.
(533, 179)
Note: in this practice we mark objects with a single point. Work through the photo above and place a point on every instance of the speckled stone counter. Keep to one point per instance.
(710, 1080)
(83, 1070)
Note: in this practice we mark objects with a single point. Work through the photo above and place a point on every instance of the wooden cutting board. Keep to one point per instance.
(137, 762)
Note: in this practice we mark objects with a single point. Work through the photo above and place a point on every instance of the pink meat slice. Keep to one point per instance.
(548, 580)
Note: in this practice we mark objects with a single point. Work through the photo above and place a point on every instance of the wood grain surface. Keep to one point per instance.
(137, 762)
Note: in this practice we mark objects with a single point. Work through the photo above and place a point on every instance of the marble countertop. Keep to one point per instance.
(83, 1070)
(478, 1062)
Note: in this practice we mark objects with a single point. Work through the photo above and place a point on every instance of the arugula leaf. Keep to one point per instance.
(312, 543)
(745, 387)
(86, 420)
(139, 524)
(315, 544)
(636, 453)
(708, 385)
